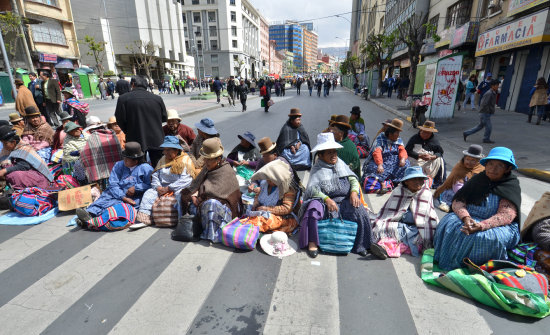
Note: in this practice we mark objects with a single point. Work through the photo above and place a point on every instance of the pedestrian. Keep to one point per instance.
(403, 88)
(486, 109)
(217, 87)
(319, 87)
(484, 87)
(396, 84)
(122, 86)
(470, 92)
(356, 87)
(110, 88)
(334, 83)
(177, 86)
(231, 90)
(52, 98)
(24, 97)
(283, 86)
(277, 88)
(389, 84)
(266, 94)
(140, 115)
(183, 83)
(242, 91)
(298, 85)
(310, 85)
(539, 99)
(102, 86)
(35, 86)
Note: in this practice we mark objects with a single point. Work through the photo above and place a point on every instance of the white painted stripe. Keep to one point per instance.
(436, 311)
(43, 302)
(22, 245)
(171, 303)
(299, 284)
(527, 203)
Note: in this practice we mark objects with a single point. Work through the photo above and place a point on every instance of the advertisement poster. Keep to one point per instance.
(429, 84)
(447, 76)
(77, 85)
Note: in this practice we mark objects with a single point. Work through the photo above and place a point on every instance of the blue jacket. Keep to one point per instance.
(217, 85)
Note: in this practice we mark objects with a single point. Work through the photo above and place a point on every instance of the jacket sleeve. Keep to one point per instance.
(410, 148)
(377, 156)
(114, 189)
(437, 148)
(120, 114)
(144, 180)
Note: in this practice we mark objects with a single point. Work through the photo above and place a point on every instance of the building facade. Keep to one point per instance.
(310, 48)
(355, 26)
(289, 36)
(264, 46)
(276, 59)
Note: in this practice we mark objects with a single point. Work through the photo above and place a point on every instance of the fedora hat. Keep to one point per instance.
(173, 115)
(112, 120)
(15, 117)
(31, 111)
(475, 151)
(70, 126)
(395, 123)
(342, 120)
(428, 126)
(414, 172)
(295, 112)
(278, 244)
(65, 116)
(211, 148)
(206, 125)
(266, 145)
(171, 142)
(132, 150)
(325, 141)
(355, 110)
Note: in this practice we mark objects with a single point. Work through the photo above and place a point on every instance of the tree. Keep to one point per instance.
(144, 54)
(350, 66)
(412, 33)
(96, 49)
(377, 51)
(10, 31)
(239, 66)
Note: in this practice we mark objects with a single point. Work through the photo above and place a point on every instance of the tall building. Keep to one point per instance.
(264, 46)
(224, 36)
(146, 21)
(289, 36)
(310, 48)
(356, 14)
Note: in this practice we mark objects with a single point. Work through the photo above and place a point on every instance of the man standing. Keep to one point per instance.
(122, 86)
(217, 87)
(484, 86)
(52, 98)
(140, 115)
(183, 82)
(298, 86)
(24, 97)
(35, 86)
(231, 91)
(102, 89)
(242, 91)
(111, 88)
(486, 109)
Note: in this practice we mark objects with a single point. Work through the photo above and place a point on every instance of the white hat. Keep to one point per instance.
(278, 244)
(92, 120)
(173, 114)
(325, 141)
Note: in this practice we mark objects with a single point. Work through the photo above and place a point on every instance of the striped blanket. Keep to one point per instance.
(101, 152)
(117, 217)
(479, 288)
(28, 154)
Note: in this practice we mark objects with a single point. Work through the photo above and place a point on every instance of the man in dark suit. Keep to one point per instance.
(52, 98)
(35, 86)
(122, 86)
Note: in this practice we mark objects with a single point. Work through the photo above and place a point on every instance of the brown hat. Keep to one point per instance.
(112, 120)
(395, 123)
(342, 120)
(18, 82)
(332, 118)
(31, 111)
(295, 112)
(266, 145)
(15, 117)
(211, 148)
(428, 126)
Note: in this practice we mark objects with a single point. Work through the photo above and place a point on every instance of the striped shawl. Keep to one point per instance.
(28, 154)
(101, 152)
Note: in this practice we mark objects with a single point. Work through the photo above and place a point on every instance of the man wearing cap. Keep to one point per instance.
(24, 97)
(18, 123)
(38, 133)
(174, 127)
(486, 110)
(52, 97)
(140, 115)
(206, 130)
(245, 153)
(424, 150)
(348, 153)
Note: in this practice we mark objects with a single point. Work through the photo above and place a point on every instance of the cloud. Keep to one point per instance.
(327, 29)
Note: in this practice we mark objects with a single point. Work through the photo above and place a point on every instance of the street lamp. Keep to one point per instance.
(343, 17)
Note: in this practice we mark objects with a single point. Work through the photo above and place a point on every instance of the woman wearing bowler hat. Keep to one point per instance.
(424, 150)
(293, 142)
(206, 130)
(116, 208)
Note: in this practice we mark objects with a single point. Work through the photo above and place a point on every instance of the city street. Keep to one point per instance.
(64, 280)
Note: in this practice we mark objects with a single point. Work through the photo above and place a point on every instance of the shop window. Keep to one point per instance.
(458, 14)
(49, 31)
(47, 2)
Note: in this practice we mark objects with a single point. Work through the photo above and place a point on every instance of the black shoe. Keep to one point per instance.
(363, 253)
(378, 251)
(464, 136)
(83, 215)
(313, 253)
(488, 141)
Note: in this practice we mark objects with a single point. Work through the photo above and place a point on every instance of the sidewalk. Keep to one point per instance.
(510, 129)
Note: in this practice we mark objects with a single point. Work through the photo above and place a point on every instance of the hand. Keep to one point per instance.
(293, 149)
(298, 145)
(354, 199)
(235, 163)
(3, 173)
(44, 104)
(331, 205)
(129, 201)
(162, 190)
(195, 200)
(261, 208)
(58, 101)
(361, 137)
(253, 188)
(425, 157)
(402, 162)
(470, 226)
(131, 191)
(244, 163)
(380, 169)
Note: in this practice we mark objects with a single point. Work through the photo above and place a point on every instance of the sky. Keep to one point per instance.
(328, 29)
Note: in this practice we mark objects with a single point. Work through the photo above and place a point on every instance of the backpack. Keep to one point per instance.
(32, 201)
(263, 91)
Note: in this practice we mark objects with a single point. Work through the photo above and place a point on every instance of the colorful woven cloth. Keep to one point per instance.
(117, 217)
(29, 155)
(479, 288)
(100, 154)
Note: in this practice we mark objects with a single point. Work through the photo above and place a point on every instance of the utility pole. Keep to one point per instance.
(8, 67)
(28, 59)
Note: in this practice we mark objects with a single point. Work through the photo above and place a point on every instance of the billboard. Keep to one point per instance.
(445, 88)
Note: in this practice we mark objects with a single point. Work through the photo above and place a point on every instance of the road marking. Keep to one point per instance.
(305, 299)
(171, 303)
(44, 301)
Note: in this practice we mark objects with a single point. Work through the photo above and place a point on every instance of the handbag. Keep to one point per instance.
(270, 103)
(336, 235)
(164, 212)
(239, 235)
(32, 201)
(188, 229)
(262, 103)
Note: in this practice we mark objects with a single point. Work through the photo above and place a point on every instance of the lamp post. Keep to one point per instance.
(197, 62)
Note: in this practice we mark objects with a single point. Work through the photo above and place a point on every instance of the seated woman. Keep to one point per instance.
(111, 124)
(174, 172)
(293, 142)
(333, 187)
(463, 171)
(59, 135)
(25, 167)
(205, 129)
(218, 200)
(129, 179)
(357, 133)
(245, 153)
(407, 222)
(485, 222)
(72, 145)
(536, 227)
(425, 151)
(340, 128)
(276, 204)
(38, 133)
(387, 160)
(75, 108)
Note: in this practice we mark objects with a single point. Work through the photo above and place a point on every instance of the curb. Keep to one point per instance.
(536, 173)
(394, 111)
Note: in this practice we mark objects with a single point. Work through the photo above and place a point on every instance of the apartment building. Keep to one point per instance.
(310, 49)
(264, 46)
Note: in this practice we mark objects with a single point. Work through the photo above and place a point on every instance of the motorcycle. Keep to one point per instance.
(365, 92)
(418, 109)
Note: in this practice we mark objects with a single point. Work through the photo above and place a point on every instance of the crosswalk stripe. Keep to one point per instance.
(39, 305)
(305, 282)
(173, 300)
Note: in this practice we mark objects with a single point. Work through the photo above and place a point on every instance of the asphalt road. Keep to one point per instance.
(62, 280)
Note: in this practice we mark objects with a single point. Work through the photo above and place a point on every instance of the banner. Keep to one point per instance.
(447, 77)
(517, 6)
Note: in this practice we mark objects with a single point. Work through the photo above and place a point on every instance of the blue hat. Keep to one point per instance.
(489, 74)
(414, 172)
(206, 126)
(171, 142)
(502, 154)
(249, 137)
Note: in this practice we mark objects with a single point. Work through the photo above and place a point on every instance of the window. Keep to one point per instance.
(199, 45)
(234, 44)
(434, 21)
(187, 46)
(232, 2)
(233, 16)
(185, 31)
(458, 14)
(236, 58)
(196, 17)
(214, 44)
(49, 31)
(213, 31)
(184, 18)
(198, 31)
(214, 59)
(215, 71)
(194, 2)
(211, 16)
(211, 2)
(233, 30)
(486, 11)
(47, 2)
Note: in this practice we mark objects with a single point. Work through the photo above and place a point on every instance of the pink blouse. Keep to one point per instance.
(505, 214)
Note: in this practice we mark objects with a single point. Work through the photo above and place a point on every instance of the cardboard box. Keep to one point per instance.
(74, 198)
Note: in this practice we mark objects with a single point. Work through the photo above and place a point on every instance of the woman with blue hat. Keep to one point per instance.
(486, 213)
(246, 153)
(206, 130)
(407, 222)
(174, 172)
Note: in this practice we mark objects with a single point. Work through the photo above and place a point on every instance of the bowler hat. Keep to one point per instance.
(341, 120)
(475, 151)
(70, 126)
(428, 126)
(249, 137)
(132, 150)
(211, 148)
(206, 125)
(395, 123)
(355, 110)
(31, 111)
(65, 116)
(15, 117)
(295, 112)
(266, 145)
(171, 142)
(6, 133)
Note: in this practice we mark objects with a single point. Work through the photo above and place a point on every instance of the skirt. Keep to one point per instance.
(30, 178)
(213, 214)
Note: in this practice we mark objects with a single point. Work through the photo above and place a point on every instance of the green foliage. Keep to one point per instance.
(9, 23)
(96, 49)
(349, 65)
(109, 73)
(378, 49)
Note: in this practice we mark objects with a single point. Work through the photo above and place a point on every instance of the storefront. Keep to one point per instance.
(516, 53)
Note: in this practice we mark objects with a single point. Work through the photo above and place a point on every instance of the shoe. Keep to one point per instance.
(488, 141)
(444, 207)
(137, 225)
(81, 224)
(464, 136)
(363, 253)
(83, 215)
(312, 253)
(378, 251)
